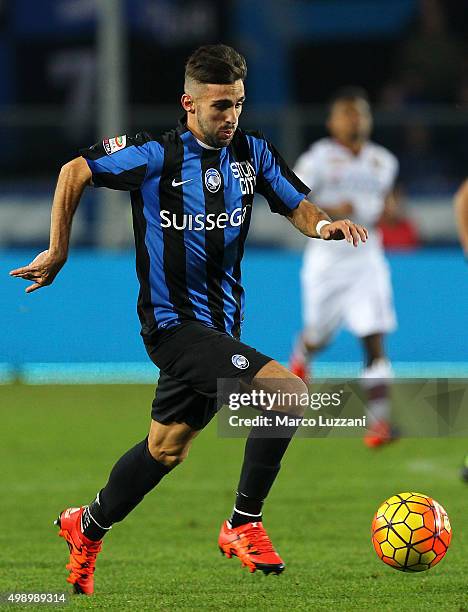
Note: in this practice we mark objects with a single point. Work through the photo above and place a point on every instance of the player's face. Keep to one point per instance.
(350, 120)
(215, 112)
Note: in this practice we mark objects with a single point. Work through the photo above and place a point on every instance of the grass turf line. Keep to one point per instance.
(59, 443)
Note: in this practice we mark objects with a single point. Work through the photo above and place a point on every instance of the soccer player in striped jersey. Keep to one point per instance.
(192, 193)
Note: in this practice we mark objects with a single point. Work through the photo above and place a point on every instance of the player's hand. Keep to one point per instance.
(344, 230)
(42, 270)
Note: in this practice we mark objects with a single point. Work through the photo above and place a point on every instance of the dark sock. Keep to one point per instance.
(132, 477)
(262, 462)
(246, 510)
(93, 522)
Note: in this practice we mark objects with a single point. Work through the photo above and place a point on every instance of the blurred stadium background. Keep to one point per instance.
(74, 71)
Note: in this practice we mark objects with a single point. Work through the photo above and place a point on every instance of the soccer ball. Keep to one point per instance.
(411, 532)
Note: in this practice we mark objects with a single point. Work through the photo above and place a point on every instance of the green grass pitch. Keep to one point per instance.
(58, 444)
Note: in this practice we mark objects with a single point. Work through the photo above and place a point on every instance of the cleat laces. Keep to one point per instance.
(255, 541)
(83, 561)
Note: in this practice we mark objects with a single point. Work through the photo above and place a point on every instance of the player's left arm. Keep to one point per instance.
(287, 195)
(461, 215)
(308, 217)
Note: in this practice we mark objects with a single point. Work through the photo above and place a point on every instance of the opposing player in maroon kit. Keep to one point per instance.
(349, 175)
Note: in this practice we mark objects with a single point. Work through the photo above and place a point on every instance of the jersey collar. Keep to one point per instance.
(182, 128)
(348, 150)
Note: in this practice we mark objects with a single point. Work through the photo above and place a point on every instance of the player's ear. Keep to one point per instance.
(187, 103)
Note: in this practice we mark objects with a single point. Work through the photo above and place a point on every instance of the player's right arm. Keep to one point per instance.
(461, 215)
(122, 163)
(72, 180)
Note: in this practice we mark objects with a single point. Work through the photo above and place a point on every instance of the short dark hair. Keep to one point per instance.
(217, 64)
(346, 94)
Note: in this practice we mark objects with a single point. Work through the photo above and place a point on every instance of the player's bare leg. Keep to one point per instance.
(244, 535)
(375, 379)
(302, 355)
(135, 474)
(170, 444)
(373, 346)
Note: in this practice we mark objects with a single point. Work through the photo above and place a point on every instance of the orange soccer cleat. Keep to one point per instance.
(251, 544)
(379, 434)
(83, 551)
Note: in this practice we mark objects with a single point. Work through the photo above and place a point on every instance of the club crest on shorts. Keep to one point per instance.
(240, 362)
(212, 180)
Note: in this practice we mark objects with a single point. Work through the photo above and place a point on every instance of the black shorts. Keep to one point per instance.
(191, 358)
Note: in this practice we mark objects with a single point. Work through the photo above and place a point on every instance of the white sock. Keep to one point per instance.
(376, 379)
(300, 352)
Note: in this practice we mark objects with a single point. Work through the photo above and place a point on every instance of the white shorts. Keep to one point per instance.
(354, 293)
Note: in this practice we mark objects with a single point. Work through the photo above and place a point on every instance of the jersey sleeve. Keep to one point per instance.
(120, 163)
(282, 189)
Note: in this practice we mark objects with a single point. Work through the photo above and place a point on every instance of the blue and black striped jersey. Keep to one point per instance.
(191, 210)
